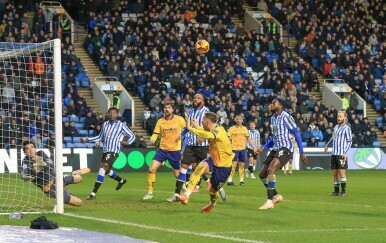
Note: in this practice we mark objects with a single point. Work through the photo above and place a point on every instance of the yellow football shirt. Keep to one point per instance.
(238, 136)
(170, 130)
(220, 148)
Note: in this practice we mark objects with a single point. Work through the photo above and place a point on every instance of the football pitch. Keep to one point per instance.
(307, 213)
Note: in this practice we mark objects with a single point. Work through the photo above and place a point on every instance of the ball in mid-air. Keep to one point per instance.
(202, 46)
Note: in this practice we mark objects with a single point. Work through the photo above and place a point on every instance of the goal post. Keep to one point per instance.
(30, 109)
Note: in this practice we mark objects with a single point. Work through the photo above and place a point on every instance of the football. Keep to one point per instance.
(202, 47)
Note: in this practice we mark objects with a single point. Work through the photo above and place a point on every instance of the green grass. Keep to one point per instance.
(306, 214)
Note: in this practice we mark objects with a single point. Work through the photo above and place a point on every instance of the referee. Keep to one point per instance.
(341, 142)
(252, 156)
(110, 136)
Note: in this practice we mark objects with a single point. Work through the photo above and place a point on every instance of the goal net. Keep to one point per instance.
(30, 110)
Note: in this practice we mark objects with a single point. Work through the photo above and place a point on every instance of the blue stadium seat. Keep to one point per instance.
(378, 119)
(321, 144)
(90, 145)
(83, 132)
(379, 125)
(74, 119)
(377, 102)
(81, 119)
(70, 145)
(79, 126)
(76, 139)
(304, 144)
(90, 133)
(65, 118)
(377, 144)
(67, 139)
(80, 145)
(45, 140)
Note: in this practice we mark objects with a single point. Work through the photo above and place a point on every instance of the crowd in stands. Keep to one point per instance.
(26, 83)
(149, 47)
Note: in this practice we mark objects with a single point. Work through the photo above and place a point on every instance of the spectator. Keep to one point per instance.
(307, 135)
(90, 122)
(150, 124)
(139, 141)
(317, 134)
(354, 101)
(369, 139)
(312, 143)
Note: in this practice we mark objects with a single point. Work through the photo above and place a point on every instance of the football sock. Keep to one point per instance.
(195, 177)
(180, 180)
(290, 168)
(336, 187)
(343, 184)
(250, 168)
(265, 181)
(241, 173)
(199, 183)
(271, 186)
(114, 176)
(150, 182)
(188, 173)
(99, 181)
(213, 197)
(232, 173)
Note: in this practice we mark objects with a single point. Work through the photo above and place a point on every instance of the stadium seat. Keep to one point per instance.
(90, 145)
(81, 119)
(304, 144)
(83, 132)
(79, 126)
(378, 119)
(90, 133)
(76, 139)
(321, 144)
(377, 144)
(74, 119)
(67, 139)
(80, 145)
(65, 118)
(70, 145)
(379, 125)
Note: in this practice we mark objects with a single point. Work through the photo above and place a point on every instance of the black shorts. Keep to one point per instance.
(194, 154)
(283, 155)
(251, 154)
(109, 158)
(337, 163)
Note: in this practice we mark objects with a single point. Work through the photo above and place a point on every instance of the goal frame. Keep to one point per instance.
(58, 150)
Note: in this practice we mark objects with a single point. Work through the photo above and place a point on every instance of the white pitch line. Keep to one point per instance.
(211, 235)
(285, 200)
(302, 231)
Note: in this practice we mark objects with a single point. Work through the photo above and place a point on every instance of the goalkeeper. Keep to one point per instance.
(39, 169)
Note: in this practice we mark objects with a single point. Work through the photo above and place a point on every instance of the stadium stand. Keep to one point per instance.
(149, 47)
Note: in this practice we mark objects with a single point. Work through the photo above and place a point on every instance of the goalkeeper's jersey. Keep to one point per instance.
(40, 169)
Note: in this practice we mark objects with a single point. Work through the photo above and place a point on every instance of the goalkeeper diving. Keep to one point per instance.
(40, 170)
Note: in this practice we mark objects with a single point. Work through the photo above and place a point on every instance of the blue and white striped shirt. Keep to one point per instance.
(281, 127)
(342, 139)
(255, 137)
(197, 114)
(111, 135)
